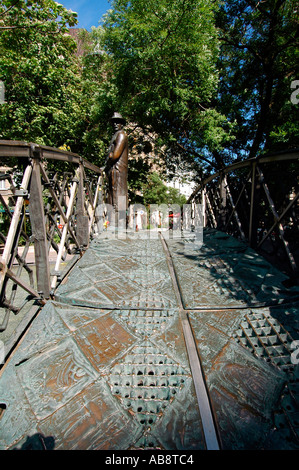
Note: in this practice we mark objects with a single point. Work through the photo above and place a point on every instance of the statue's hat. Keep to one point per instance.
(118, 117)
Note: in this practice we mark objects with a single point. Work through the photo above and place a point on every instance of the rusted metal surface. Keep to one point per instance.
(18, 149)
(206, 414)
(112, 377)
(105, 365)
(225, 272)
(257, 200)
(54, 208)
(245, 323)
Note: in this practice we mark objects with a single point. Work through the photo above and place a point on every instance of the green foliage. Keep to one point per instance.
(156, 192)
(41, 76)
(162, 72)
(138, 172)
(207, 81)
(4, 221)
(95, 81)
(258, 62)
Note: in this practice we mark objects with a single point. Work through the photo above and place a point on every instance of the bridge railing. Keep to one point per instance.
(54, 195)
(256, 200)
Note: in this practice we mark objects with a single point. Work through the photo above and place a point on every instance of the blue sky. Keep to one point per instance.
(89, 11)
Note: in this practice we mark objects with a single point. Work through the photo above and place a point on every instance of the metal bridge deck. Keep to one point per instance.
(107, 364)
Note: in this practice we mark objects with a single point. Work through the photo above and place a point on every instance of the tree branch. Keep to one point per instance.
(242, 46)
(11, 6)
(7, 28)
(197, 155)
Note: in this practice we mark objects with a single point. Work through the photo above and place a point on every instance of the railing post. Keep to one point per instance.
(210, 207)
(255, 192)
(234, 211)
(278, 224)
(39, 235)
(204, 221)
(13, 229)
(222, 210)
(65, 229)
(82, 228)
(98, 195)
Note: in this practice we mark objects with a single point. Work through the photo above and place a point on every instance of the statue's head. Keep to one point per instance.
(117, 121)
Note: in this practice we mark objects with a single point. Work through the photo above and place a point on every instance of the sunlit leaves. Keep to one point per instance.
(259, 59)
(163, 56)
(41, 75)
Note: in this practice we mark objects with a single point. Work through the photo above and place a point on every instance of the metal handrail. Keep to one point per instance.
(247, 163)
(72, 197)
(215, 192)
(19, 149)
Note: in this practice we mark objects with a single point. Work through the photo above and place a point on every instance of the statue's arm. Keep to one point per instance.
(120, 144)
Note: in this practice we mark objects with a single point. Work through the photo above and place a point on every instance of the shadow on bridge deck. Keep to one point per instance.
(105, 366)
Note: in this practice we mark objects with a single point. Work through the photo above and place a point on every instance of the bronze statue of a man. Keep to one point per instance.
(116, 169)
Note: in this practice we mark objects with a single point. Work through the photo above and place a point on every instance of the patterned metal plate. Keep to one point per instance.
(105, 365)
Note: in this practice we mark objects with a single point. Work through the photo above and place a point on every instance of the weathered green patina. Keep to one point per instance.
(105, 365)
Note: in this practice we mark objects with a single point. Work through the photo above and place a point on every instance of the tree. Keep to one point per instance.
(258, 63)
(95, 83)
(162, 74)
(41, 75)
(156, 192)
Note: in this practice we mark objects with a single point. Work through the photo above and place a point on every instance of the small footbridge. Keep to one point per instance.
(176, 340)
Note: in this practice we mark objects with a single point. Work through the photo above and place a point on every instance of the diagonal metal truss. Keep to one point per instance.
(53, 209)
(256, 200)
